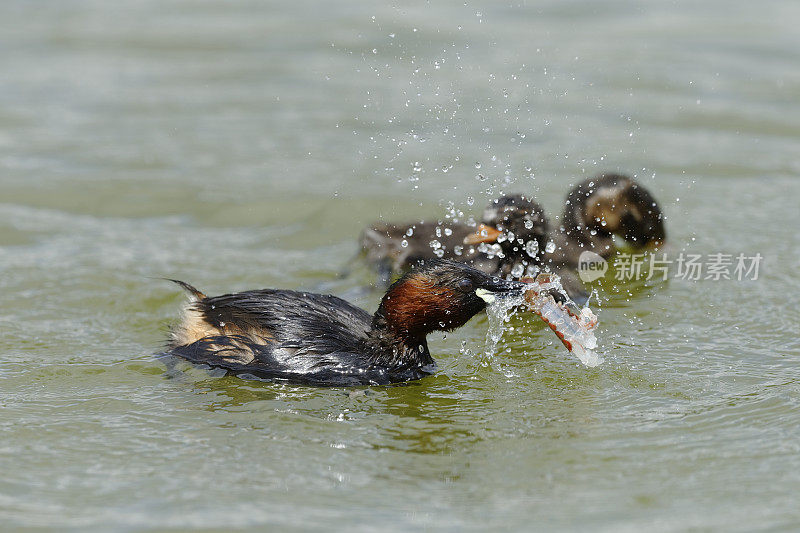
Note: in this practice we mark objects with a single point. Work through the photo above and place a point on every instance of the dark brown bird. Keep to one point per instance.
(323, 340)
(595, 211)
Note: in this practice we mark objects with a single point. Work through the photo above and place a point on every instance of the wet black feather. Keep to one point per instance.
(312, 338)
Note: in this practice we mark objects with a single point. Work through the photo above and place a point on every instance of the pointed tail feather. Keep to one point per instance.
(188, 288)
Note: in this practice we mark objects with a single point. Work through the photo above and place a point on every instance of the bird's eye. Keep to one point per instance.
(465, 284)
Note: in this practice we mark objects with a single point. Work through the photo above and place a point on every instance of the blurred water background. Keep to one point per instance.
(245, 144)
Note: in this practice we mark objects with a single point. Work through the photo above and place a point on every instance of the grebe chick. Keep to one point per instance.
(514, 222)
(323, 340)
(596, 210)
(600, 208)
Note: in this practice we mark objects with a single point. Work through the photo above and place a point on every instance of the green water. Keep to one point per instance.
(242, 145)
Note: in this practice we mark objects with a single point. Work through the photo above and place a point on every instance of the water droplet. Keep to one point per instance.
(404, 243)
(518, 270)
(491, 250)
(550, 247)
(448, 231)
(435, 244)
(477, 164)
(528, 223)
(470, 200)
(532, 247)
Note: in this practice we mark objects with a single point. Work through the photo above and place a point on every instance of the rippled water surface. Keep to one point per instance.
(245, 144)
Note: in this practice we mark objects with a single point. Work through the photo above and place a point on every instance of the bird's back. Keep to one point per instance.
(275, 334)
(394, 251)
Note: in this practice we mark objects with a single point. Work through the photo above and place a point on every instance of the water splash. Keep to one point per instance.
(499, 313)
(572, 325)
(574, 329)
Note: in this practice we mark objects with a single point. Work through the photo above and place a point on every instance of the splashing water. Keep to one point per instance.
(499, 312)
(573, 326)
(532, 248)
(574, 330)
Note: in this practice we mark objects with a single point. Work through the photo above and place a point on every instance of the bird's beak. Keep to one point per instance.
(483, 234)
(498, 285)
